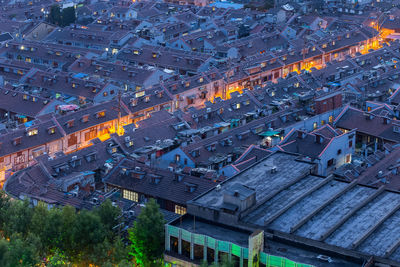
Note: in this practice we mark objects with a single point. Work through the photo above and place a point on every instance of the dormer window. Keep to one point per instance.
(101, 114)
(212, 147)
(70, 123)
(195, 153)
(51, 130)
(226, 142)
(17, 141)
(155, 179)
(91, 157)
(85, 118)
(190, 187)
(32, 132)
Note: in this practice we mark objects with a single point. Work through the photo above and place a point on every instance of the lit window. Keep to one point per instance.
(201, 80)
(32, 132)
(127, 194)
(51, 130)
(315, 125)
(180, 210)
(330, 119)
(237, 105)
(136, 52)
(101, 114)
(139, 94)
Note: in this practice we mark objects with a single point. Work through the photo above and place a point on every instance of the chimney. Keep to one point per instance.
(319, 139)
(386, 120)
(301, 134)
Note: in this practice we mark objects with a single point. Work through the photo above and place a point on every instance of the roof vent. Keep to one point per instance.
(274, 169)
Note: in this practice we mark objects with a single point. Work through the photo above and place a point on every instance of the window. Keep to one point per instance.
(177, 158)
(85, 118)
(330, 162)
(32, 132)
(17, 141)
(339, 151)
(323, 122)
(105, 94)
(70, 123)
(127, 194)
(91, 134)
(330, 119)
(101, 114)
(139, 94)
(180, 210)
(351, 143)
(51, 130)
(315, 125)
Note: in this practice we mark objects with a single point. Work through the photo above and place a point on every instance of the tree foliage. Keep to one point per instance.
(62, 17)
(147, 235)
(59, 237)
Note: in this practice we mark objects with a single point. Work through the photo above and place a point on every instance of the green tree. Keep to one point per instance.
(147, 235)
(87, 234)
(62, 17)
(55, 15)
(4, 206)
(108, 215)
(68, 219)
(22, 252)
(67, 16)
(18, 218)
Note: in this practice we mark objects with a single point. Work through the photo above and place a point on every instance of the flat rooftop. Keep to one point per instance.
(340, 214)
(260, 178)
(241, 238)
